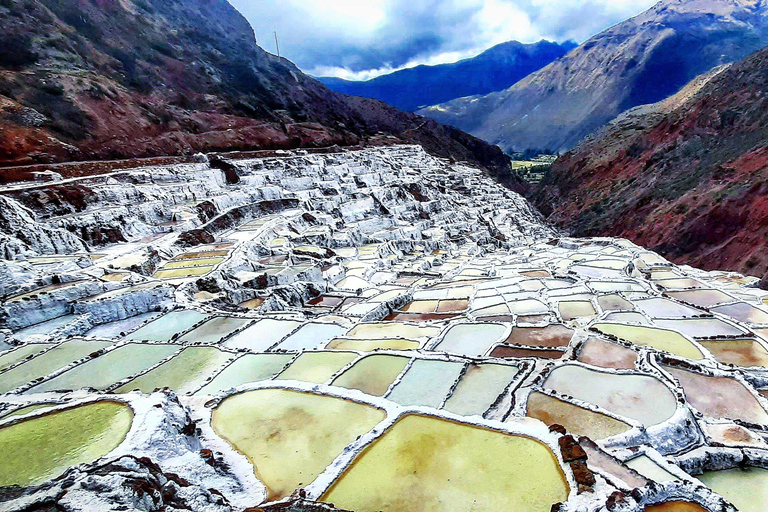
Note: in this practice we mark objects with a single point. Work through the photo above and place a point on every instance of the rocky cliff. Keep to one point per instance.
(686, 177)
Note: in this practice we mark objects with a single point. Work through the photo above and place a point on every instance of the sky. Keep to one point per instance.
(360, 39)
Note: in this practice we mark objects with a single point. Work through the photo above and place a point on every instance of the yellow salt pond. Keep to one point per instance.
(427, 464)
(291, 437)
(660, 339)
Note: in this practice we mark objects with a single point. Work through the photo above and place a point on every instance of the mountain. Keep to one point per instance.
(640, 61)
(493, 70)
(104, 79)
(687, 177)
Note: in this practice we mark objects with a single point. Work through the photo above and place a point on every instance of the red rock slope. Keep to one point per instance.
(687, 177)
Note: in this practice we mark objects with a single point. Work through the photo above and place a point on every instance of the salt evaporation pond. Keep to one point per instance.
(317, 367)
(183, 374)
(576, 419)
(471, 340)
(18, 354)
(372, 374)
(747, 489)
(247, 369)
(639, 397)
(290, 437)
(102, 372)
(479, 387)
(660, 339)
(408, 467)
(167, 326)
(426, 382)
(38, 449)
(44, 364)
(213, 330)
(115, 329)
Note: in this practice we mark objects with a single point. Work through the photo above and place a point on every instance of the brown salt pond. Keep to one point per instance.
(607, 355)
(505, 351)
(427, 464)
(576, 419)
(550, 336)
(675, 506)
(290, 437)
(702, 298)
(720, 397)
(614, 303)
(745, 353)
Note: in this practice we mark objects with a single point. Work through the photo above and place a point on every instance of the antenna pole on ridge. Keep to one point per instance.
(277, 45)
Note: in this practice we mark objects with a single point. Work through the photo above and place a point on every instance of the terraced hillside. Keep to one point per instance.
(378, 329)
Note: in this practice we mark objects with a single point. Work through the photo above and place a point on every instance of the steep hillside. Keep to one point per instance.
(493, 70)
(97, 79)
(687, 177)
(640, 61)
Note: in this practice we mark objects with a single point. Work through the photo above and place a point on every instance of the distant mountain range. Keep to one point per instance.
(94, 79)
(493, 70)
(687, 177)
(642, 60)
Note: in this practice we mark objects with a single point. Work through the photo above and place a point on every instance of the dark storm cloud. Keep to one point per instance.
(365, 37)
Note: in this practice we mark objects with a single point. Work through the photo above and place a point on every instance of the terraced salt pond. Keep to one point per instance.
(579, 420)
(48, 362)
(426, 382)
(246, 369)
(41, 448)
(639, 397)
(291, 437)
(183, 374)
(372, 374)
(747, 489)
(660, 339)
(167, 326)
(103, 371)
(479, 388)
(408, 467)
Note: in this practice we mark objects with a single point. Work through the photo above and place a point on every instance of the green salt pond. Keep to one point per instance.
(471, 340)
(44, 328)
(427, 464)
(578, 420)
(15, 356)
(165, 327)
(479, 388)
(290, 437)
(747, 489)
(649, 469)
(372, 374)
(183, 374)
(262, 335)
(642, 398)
(317, 367)
(215, 329)
(426, 382)
(102, 372)
(38, 449)
(44, 364)
(660, 339)
(247, 369)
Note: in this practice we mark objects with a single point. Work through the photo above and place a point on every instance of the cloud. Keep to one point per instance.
(359, 39)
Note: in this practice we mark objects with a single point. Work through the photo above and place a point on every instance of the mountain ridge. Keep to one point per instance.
(639, 61)
(494, 69)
